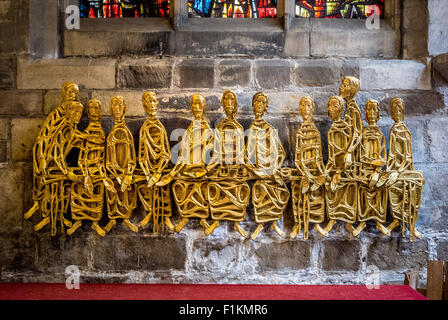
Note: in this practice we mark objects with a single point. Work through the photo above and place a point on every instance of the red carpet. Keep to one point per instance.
(37, 291)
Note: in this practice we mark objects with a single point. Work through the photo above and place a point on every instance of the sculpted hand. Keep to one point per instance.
(109, 185)
(348, 160)
(71, 176)
(335, 182)
(125, 185)
(154, 179)
(88, 184)
(165, 180)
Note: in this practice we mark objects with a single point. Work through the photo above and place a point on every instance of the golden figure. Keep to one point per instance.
(372, 200)
(341, 190)
(265, 155)
(348, 90)
(59, 176)
(41, 147)
(121, 161)
(404, 183)
(190, 187)
(87, 198)
(308, 192)
(153, 157)
(228, 193)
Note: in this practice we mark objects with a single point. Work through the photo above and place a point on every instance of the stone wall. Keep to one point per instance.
(285, 70)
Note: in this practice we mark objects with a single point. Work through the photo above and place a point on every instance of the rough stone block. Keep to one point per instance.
(23, 135)
(51, 74)
(11, 200)
(53, 97)
(17, 253)
(129, 252)
(18, 103)
(234, 73)
(437, 38)
(397, 254)
(331, 38)
(394, 75)
(196, 73)
(341, 255)
(7, 71)
(442, 250)
(438, 143)
(440, 64)
(318, 72)
(4, 129)
(3, 151)
(293, 255)
(273, 74)
(147, 73)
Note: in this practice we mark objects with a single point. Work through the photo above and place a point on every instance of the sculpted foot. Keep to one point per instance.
(42, 224)
(330, 226)
(383, 229)
(112, 223)
(130, 225)
(145, 221)
(98, 229)
(67, 223)
(393, 225)
(321, 230)
(295, 231)
(181, 225)
(33, 209)
(241, 231)
(75, 227)
(204, 224)
(211, 228)
(257, 231)
(358, 230)
(278, 230)
(169, 224)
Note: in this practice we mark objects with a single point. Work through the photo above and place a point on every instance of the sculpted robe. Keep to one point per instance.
(154, 155)
(265, 151)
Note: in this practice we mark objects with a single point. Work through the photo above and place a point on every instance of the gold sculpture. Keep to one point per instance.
(265, 155)
(87, 198)
(58, 177)
(308, 193)
(404, 183)
(41, 147)
(372, 200)
(120, 163)
(341, 190)
(190, 187)
(228, 192)
(153, 157)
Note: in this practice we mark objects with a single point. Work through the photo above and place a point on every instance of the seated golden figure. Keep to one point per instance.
(265, 156)
(121, 161)
(153, 157)
(87, 198)
(341, 190)
(404, 183)
(308, 192)
(41, 147)
(228, 193)
(372, 200)
(59, 176)
(190, 187)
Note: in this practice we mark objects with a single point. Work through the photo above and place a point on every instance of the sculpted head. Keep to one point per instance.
(335, 107)
(150, 103)
(197, 106)
(69, 92)
(117, 108)
(260, 103)
(396, 109)
(229, 102)
(306, 108)
(74, 112)
(94, 110)
(372, 111)
(349, 87)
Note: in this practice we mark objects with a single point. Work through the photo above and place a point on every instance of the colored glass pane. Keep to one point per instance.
(347, 9)
(124, 8)
(233, 8)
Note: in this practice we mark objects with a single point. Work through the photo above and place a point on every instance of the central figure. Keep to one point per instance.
(265, 156)
(228, 192)
(190, 187)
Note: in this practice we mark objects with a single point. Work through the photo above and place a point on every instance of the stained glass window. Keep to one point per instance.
(124, 8)
(348, 9)
(233, 8)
